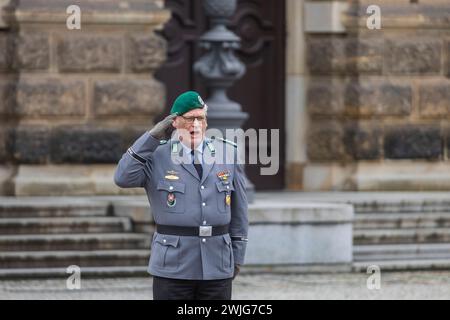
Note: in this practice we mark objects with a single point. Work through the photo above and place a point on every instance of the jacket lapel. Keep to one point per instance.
(183, 159)
(209, 159)
(186, 164)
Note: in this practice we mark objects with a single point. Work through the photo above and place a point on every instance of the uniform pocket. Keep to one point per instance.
(225, 190)
(165, 252)
(172, 196)
(227, 253)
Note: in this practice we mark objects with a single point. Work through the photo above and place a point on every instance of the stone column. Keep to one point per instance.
(296, 82)
(82, 96)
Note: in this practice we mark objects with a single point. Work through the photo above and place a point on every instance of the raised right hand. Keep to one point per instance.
(159, 130)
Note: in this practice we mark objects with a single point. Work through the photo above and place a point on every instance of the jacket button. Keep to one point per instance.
(170, 188)
(202, 187)
(203, 240)
(203, 204)
(204, 222)
(164, 240)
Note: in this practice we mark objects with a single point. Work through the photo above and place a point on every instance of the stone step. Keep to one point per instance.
(399, 207)
(51, 207)
(401, 236)
(64, 225)
(401, 220)
(401, 252)
(400, 203)
(369, 202)
(113, 241)
(403, 265)
(64, 259)
(86, 272)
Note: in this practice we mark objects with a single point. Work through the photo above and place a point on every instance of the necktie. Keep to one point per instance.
(196, 163)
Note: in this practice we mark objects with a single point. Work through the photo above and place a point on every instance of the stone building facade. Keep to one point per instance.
(71, 101)
(377, 102)
(365, 109)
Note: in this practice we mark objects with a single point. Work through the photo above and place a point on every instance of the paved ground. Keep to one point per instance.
(405, 285)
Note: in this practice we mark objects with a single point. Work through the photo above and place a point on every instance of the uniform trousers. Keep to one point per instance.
(176, 289)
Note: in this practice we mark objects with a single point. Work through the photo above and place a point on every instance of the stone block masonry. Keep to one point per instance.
(377, 98)
(76, 97)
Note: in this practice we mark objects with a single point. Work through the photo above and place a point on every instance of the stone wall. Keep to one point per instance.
(72, 101)
(379, 100)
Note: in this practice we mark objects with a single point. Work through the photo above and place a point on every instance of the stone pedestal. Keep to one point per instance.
(72, 101)
(301, 234)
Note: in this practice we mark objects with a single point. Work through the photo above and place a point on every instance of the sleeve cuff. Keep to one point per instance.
(239, 248)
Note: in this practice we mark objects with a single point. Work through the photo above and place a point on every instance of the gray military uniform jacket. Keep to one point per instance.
(179, 198)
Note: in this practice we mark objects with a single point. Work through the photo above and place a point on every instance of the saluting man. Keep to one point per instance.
(198, 200)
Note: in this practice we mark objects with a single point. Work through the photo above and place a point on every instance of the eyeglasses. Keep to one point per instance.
(192, 119)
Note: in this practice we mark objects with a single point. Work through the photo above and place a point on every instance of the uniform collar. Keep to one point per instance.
(185, 162)
(199, 148)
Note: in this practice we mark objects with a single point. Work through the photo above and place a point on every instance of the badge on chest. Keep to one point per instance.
(228, 199)
(171, 200)
(171, 175)
(224, 176)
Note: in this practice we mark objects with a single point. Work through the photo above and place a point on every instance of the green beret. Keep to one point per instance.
(186, 102)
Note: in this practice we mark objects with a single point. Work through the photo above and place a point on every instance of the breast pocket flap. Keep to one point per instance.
(222, 187)
(171, 186)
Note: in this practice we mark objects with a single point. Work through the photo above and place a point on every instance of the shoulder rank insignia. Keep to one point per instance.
(161, 142)
(228, 141)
